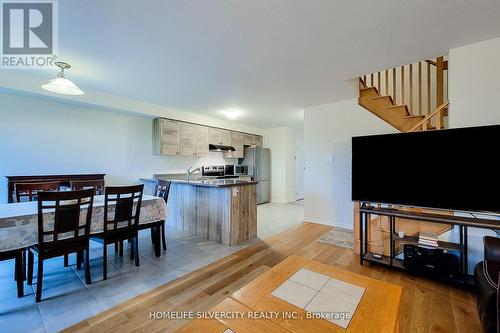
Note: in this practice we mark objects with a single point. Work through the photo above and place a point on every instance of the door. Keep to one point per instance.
(263, 191)
(225, 138)
(201, 140)
(237, 143)
(169, 137)
(262, 163)
(187, 139)
(214, 136)
(299, 170)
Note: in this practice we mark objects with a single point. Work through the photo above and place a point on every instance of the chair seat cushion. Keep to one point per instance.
(486, 277)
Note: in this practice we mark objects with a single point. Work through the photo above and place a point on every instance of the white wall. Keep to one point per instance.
(43, 136)
(473, 94)
(282, 141)
(328, 130)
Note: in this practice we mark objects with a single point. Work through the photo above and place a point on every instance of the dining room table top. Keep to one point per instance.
(19, 221)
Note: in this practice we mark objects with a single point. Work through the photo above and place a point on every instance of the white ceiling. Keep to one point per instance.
(270, 58)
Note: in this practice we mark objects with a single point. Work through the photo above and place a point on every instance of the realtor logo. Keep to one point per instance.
(28, 35)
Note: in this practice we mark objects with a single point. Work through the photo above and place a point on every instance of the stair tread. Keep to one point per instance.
(384, 96)
(415, 116)
(368, 88)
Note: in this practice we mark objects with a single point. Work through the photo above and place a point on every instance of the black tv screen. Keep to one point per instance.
(455, 169)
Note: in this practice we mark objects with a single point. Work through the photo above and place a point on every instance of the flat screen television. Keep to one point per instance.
(454, 169)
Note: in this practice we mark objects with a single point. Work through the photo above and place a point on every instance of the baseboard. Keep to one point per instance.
(328, 222)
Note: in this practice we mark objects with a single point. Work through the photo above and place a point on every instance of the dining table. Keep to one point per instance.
(19, 221)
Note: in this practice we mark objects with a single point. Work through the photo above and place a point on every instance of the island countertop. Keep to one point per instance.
(221, 182)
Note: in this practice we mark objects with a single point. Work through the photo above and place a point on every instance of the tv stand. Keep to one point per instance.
(463, 223)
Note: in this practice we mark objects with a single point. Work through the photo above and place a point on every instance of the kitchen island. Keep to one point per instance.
(220, 210)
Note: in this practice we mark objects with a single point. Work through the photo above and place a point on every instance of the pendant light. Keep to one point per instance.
(62, 85)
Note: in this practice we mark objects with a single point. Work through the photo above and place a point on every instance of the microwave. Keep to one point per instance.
(236, 170)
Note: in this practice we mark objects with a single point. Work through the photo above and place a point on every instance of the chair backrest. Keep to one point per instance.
(122, 205)
(97, 185)
(64, 217)
(163, 189)
(29, 191)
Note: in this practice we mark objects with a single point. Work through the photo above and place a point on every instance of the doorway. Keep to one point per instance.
(299, 169)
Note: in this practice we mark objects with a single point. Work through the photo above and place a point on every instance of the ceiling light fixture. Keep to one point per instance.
(62, 85)
(232, 113)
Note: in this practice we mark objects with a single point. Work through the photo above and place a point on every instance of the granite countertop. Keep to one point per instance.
(221, 182)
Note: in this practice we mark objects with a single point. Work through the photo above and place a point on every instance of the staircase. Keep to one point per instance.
(398, 100)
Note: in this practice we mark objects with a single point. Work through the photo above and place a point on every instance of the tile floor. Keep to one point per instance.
(320, 294)
(67, 300)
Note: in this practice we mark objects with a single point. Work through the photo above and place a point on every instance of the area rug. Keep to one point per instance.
(339, 237)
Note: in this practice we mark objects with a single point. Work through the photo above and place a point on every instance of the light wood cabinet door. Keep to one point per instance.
(237, 143)
(186, 139)
(225, 137)
(201, 140)
(169, 137)
(257, 140)
(214, 136)
(248, 139)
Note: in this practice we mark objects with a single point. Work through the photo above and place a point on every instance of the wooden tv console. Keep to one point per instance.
(364, 219)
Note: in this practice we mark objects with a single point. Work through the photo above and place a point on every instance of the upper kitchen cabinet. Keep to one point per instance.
(226, 138)
(165, 137)
(248, 139)
(201, 140)
(214, 136)
(257, 140)
(218, 136)
(237, 141)
(187, 145)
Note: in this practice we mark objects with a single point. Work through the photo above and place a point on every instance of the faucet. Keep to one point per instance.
(189, 172)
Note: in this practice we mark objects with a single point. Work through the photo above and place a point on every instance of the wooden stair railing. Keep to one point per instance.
(406, 95)
(425, 123)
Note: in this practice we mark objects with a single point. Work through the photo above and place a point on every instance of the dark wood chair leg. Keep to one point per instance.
(79, 259)
(86, 264)
(136, 250)
(121, 249)
(30, 267)
(19, 270)
(157, 243)
(116, 246)
(66, 261)
(105, 261)
(132, 248)
(153, 238)
(164, 242)
(39, 280)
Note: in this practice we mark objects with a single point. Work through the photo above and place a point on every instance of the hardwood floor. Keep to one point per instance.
(426, 306)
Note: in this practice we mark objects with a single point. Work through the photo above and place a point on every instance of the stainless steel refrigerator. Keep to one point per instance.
(258, 160)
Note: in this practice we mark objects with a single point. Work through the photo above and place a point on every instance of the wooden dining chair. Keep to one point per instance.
(122, 206)
(162, 190)
(63, 227)
(97, 185)
(19, 267)
(29, 191)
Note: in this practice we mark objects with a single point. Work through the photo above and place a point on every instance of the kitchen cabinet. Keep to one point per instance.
(224, 214)
(187, 139)
(238, 143)
(214, 136)
(172, 137)
(218, 136)
(248, 139)
(165, 137)
(201, 140)
(257, 140)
